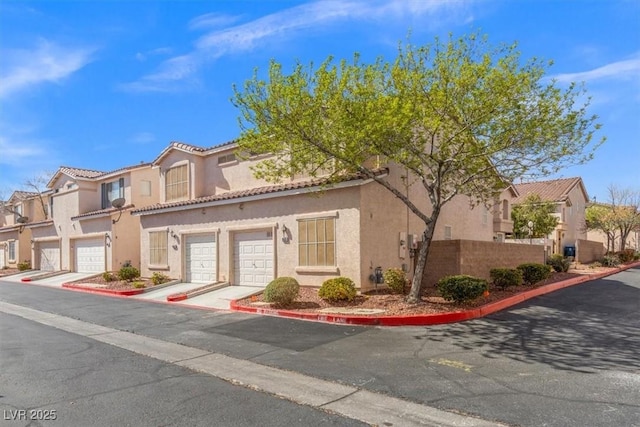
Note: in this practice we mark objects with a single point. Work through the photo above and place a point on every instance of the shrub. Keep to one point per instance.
(626, 255)
(610, 261)
(636, 256)
(338, 289)
(282, 290)
(559, 263)
(138, 285)
(24, 265)
(505, 277)
(461, 288)
(128, 273)
(534, 272)
(159, 278)
(108, 276)
(395, 279)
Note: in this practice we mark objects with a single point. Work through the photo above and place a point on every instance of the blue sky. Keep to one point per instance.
(107, 84)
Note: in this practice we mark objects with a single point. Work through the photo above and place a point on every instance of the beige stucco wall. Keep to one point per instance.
(266, 214)
(575, 217)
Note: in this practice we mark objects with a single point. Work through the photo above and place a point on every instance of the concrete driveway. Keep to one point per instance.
(53, 281)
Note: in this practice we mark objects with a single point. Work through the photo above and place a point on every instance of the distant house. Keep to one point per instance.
(570, 198)
(86, 231)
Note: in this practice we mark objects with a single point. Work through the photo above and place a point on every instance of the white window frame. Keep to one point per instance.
(12, 248)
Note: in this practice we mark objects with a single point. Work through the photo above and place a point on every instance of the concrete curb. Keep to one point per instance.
(429, 319)
(181, 296)
(91, 289)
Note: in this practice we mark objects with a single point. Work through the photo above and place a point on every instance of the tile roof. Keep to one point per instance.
(80, 173)
(177, 145)
(100, 212)
(556, 190)
(251, 192)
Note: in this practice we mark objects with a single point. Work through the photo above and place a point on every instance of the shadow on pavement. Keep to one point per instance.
(585, 328)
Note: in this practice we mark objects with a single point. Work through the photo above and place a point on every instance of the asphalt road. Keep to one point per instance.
(571, 358)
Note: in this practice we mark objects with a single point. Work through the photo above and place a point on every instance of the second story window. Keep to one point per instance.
(177, 183)
(17, 212)
(111, 191)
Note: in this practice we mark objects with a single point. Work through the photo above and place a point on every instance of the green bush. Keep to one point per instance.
(610, 261)
(626, 255)
(533, 272)
(282, 290)
(128, 273)
(395, 279)
(506, 277)
(461, 288)
(636, 256)
(159, 278)
(138, 285)
(24, 265)
(559, 263)
(108, 276)
(338, 289)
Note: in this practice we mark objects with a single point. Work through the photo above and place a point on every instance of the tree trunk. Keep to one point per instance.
(421, 262)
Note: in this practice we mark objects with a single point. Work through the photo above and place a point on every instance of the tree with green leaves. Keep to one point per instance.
(616, 218)
(533, 218)
(462, 117)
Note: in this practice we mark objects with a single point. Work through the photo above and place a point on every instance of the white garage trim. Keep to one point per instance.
(253, 258)
(90, 255)
(201, 260)
(48, 254)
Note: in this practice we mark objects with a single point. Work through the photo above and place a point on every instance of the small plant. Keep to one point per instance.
(559, 263)
(506, 277)
(338, 289)
(461, 288)
(282, 290)
(139, 284)
(108, 276)
(533, 272)
(596, 264)
(395, 280)
(626, 255)
(24, 265)
(610, 261)
(636, 256)
(128, 273)
(158, 278)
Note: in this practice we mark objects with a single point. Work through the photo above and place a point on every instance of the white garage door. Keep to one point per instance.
(253, 255)
(49, 253)
(90, 256)
(2, 260)
(200, 258)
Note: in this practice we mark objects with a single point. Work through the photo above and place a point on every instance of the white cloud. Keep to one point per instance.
(140, 56)
(288, 23)
(47, 62)
(14, 152)
(621, 70)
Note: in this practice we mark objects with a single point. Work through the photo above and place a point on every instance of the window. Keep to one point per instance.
(226, 158)
(158, 248)
(177, 183)
(447, 232)
(145, 188)
(111, 191)
(317, 242)
(505, 210)
(485, 216)
(51, 207)
(12, 250)
(17, 212)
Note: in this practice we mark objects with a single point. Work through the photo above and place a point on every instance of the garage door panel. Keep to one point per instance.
(253, 258)
(49, 256)
(200, 258)
(90, 256)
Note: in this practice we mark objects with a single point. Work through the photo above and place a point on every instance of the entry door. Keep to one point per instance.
(200, 258)
(253, 258)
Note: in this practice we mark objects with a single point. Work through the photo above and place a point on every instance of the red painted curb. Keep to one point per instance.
(177, 297)
(117, 292)
(25, 279)
(428, 319)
